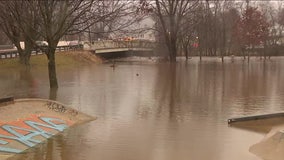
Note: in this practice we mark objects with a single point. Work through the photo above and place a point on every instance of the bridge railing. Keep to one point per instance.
(121, 44)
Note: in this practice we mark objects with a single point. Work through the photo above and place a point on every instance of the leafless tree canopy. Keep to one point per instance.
(50, 20)
(173, 17)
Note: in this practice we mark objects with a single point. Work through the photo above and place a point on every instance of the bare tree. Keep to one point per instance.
(252, 29)
(51, 20)
(231, 16)
(171, 15)
(20, 25)
(9, 25)
(187, 34)
(122, 19)
(270, 12)
(280, 19)
(57, 18)
(4, 39)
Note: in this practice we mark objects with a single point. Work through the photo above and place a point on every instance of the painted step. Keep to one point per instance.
(24, 123)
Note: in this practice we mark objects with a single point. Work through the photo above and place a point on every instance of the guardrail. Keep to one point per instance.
(121, 44)
(3, 47)
(13, 53)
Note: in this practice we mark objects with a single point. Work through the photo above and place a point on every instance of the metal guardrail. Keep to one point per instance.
(2, 47)
(13, 53)
(121, 44)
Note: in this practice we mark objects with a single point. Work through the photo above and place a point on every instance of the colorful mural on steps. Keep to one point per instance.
(29, 132)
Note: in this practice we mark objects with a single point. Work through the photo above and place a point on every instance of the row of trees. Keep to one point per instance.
(215, 27)
(31, 21)
(210, 27)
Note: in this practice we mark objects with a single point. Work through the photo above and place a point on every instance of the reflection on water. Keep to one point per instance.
(155, 111)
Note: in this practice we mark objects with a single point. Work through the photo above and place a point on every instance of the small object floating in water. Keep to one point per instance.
(113, 64)
(29, 122)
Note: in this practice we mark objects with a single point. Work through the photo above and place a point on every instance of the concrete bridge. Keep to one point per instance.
(111, 49)
(105, 49)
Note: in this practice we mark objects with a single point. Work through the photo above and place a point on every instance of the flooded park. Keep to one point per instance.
(155, 111)
(141, 80)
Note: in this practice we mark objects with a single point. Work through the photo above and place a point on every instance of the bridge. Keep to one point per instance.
(105, 49)
(112, 49)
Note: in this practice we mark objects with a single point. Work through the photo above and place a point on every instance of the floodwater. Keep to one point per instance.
(150, 111)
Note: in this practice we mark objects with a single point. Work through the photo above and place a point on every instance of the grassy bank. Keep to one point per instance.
(62, 58)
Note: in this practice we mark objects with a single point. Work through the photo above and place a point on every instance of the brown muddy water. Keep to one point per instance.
(149, 111)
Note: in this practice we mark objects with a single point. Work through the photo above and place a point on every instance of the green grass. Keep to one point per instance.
(40, 60)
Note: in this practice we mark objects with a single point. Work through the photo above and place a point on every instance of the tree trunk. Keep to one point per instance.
(223, 50)
(264, 50)
(248, 56)
(27, 59)
(27, 52)
(53, 94)
(200, 54)
(200, 49)
(52, 67)
(21, 53)
(173, 52)
(186, 52)
(243, 52)
(249, 53)
(171, 44)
